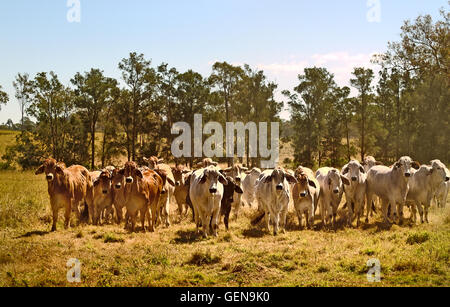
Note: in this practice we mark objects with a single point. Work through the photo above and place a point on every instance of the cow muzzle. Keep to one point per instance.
(336, 191)
(213, 190)
(118, 186)
(105, 192)
(354, 179)
(279, 187)
(447, 179)
(303, 194)
(238, 179)
(163, 192)
(49, 177)
(407, 175)
(129, 180)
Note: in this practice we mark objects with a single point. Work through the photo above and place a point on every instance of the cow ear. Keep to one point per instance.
(329, 181)
(145, 159)
(227, 170)
(268, 179)
(345, 170)
(397, 165)
(59, 169)
(96, 182)
(40, 170)
(139, 173)
(160, 160)
(214, 163)
(121, 172)
(203, 178)
(312, 184)
(185, 171)
(223, 180)
(415, 165)
(362, 170)
(244, 168)
(170, 181)
(248, 172)
(345, 180)
(290, 178)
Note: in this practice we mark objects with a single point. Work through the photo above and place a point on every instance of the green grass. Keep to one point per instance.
(245, 256)
(7, 138)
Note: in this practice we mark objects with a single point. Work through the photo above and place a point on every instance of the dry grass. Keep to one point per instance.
(245, 256)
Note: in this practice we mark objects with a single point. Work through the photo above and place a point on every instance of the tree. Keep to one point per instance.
(309, 106)
(23, 86)
(3, 97)
(362, 82)
(94, 92)
(136, 73)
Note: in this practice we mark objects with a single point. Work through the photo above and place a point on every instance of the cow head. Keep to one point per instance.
(212, 176)
(52, 169)
(278, 177)
(437, 167)
(165, 179)
(405, 164)
(353, 170)
(153, 161)
(336, 181)
(131, 172)
(104, 181)
(118, 179)
(179, 174)
(303, 183)
(236, 172)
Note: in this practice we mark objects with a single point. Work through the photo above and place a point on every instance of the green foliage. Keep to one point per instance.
(417, 238)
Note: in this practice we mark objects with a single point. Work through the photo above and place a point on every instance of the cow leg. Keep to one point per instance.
(350, 214)
(299, 215)
(283, 217)
(215, 222)
(369, 200)
(55, 210)
(143, 214)
(227, 216)
(67, 213)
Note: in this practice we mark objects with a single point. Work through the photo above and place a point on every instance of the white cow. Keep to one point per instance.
(331, 190)
(423, 185)
(273, 193)
(391, 186)
(249, 184)
(355, 193)
(206, 193)
(442, 191)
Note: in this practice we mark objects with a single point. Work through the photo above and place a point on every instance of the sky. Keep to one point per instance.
(280, 37)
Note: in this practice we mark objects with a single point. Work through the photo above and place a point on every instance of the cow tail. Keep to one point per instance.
(258, 219)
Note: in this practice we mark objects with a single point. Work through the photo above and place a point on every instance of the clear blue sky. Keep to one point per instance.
(280, 37)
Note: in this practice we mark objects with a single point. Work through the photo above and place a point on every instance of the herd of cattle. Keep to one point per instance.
(145, 192)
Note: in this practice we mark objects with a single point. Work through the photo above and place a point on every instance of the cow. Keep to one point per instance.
(103, 196)
(68, 188)
(370, 162)
(230, 189)
(180, 174)
(391, 186)
(355, 192)
(305, 195)
(273, 193)
(248, 186)
(206, 193)
(237, 172)
(331, 190)
(423, 185)
(142, 193)
(165, 172)
(441, 193)
(118, 183)
(153, 161)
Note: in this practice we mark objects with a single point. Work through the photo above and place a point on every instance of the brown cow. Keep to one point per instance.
(153, 161)
(165, 172)
(67, 188)
(142, 192)
(103, 196)
(181, 190)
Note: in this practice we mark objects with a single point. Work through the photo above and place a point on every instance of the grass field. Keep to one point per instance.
(245, 256)
(7, 138)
